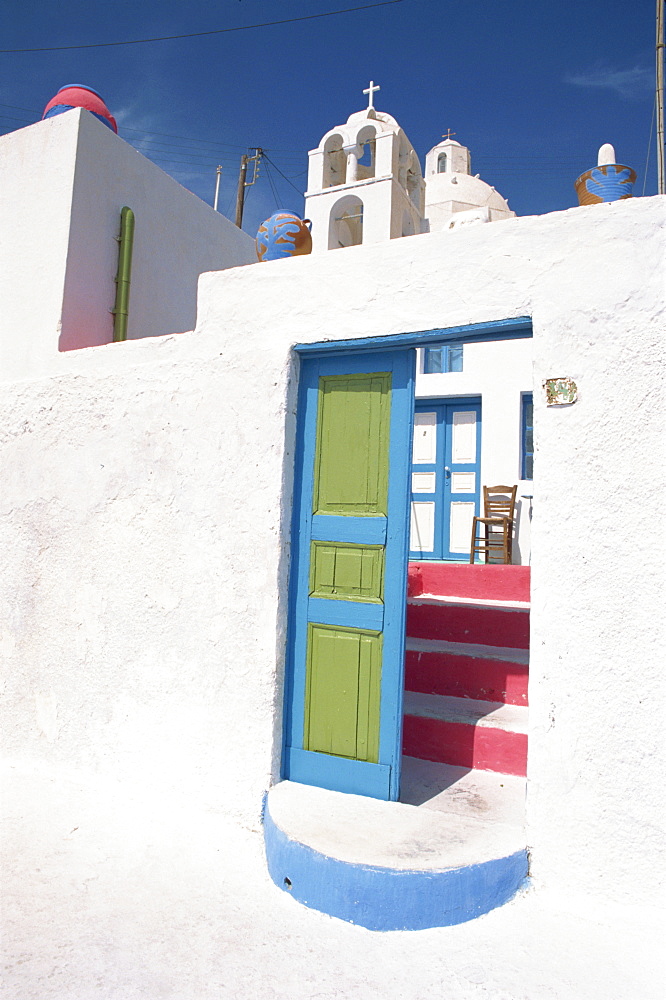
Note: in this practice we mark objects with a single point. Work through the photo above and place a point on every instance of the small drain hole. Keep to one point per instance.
(287, 883)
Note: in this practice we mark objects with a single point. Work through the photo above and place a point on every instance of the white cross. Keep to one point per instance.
(371, 93)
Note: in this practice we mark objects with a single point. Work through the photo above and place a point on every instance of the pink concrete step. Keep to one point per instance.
(500, 583)
(465, 670)
(460, 621)
(480, 735)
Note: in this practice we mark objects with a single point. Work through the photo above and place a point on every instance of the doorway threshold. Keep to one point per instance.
(450, 850)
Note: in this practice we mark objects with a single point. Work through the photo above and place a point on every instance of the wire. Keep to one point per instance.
(10, 118)
(506, 165)
(127, 128)
(181, 163)
(272, 184)
(288, 154)
(206, 154)
(283, 175)
(197, 150)
(647, 158)
(188, 138)
(199, 34)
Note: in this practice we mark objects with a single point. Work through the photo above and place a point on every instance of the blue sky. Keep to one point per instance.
(533, 88)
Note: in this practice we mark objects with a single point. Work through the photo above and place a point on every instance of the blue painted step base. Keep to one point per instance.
(380, 897)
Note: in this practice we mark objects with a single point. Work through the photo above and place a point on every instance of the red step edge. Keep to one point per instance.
(487, 626)
(479, 747)
(466, 677)
(496, 583)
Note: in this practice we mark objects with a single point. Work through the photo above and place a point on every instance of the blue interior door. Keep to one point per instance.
(445, 483)
(348, 573)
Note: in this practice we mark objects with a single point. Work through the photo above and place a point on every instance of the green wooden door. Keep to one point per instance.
(349, 566)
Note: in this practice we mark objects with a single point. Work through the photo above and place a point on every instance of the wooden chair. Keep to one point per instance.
(499, 503)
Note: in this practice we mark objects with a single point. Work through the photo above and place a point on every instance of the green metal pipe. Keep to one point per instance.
(123, 277)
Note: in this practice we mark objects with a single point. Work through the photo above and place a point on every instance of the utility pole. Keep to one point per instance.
(240, 194)
(661, 171)
(217, 186)
(243, 183)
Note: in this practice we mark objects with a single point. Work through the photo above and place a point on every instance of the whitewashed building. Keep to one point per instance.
(149, 488)
(63, 184)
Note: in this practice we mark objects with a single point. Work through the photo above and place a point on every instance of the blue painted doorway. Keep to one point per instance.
(345, 670)
(445, 484)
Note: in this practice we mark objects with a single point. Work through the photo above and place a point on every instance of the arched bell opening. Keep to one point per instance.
(414, 182)
(335, 162)
(346, 223)
(366, 144)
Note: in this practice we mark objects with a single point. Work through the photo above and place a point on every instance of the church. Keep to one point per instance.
(267, 496)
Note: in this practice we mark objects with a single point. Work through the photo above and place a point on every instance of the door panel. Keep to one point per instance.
(425, 437)
(445, 478)
(460, 526)
(351, 461)
(422, 525)
(463, 435)
(342, 692)
(349, 569)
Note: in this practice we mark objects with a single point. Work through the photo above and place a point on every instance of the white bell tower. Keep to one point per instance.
(364, 182)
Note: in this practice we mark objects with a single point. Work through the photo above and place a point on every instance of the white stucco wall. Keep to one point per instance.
(177, 237)
(145, 526)
(36, 183)
(64, 183)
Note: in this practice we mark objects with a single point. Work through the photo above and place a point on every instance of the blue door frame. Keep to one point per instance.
(381, 780)
(378, 778)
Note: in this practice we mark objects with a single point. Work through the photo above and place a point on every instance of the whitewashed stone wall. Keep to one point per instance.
(145, 526)
(63, 183)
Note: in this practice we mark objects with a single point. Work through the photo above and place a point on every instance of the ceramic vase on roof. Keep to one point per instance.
(77, 95)
(283, 235)
(611, 182)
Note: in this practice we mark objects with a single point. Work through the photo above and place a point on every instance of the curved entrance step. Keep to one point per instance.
(453, 849)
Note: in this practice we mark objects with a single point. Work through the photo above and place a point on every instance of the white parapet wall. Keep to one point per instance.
(146, 515)
(63, 183)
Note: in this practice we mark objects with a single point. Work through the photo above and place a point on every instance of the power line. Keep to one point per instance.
(199, 34)
(198, 164)
(188, 138)
(148, 146)
(647, 158)
(197, 150)
(272, 184)
(167, 135)
(16, 107)
(283, 175)
(489, 165)
(10, 118)
(217, 149)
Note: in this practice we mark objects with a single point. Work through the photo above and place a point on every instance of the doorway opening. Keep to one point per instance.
(446, 457)
(361, 474)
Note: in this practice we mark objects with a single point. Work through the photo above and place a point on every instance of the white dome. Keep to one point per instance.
(472, 191)
(451, 188)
